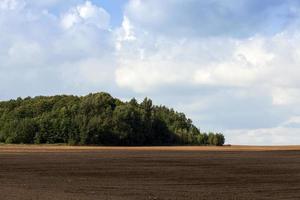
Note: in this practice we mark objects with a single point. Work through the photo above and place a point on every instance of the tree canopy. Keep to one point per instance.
(97, 119)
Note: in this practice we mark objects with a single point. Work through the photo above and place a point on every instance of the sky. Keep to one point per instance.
(232, 66)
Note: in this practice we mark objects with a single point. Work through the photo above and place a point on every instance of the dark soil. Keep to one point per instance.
(149, 174)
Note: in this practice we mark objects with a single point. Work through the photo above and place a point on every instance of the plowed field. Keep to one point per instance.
(92, 173)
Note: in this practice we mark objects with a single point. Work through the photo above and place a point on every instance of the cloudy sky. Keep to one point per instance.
(232, 66)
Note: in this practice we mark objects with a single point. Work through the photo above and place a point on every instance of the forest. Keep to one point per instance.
(97, 119)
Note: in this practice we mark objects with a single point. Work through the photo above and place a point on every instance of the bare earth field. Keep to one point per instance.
(91, 173)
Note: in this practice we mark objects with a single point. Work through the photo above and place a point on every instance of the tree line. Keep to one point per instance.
(97, 119)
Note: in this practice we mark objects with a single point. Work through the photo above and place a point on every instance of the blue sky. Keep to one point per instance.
(232, 66)
(115, 8)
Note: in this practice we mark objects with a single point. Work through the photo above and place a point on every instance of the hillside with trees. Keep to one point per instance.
(97, 119)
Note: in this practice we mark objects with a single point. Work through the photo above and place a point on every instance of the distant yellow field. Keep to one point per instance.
(64, 148)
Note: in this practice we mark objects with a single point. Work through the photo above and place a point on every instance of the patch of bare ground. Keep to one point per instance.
(65, 148)
(58, 172)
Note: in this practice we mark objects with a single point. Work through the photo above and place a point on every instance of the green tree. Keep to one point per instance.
(97, 119)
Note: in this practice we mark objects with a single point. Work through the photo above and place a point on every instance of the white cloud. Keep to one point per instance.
(21, 53)
(241, 74)
(238, 63)
(157, 57)
(224, 75)
(254, 51)
(88, 72)
(271, 136)
(70, 19)
(145, 68)
(11, 4)
(292, 122)
(153, 61)
(124, 33)
(247, 64)
(142, 75)
(86, 13)
(286, 96)
(36, 52)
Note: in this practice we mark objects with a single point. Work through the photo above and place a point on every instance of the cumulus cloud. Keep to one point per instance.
(271, 136)
(258, 60)
(285, 96)
(11, 4)
(248, 62)
(37, 51)
(86, 13)
(156, 57)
